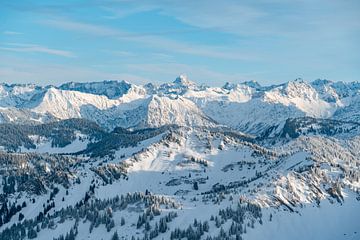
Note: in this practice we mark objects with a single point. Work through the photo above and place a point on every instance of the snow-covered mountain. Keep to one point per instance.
(113, 160)
(248, 107)
(110, 89)
(17, 95)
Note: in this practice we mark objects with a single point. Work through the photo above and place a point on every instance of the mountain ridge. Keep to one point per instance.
(319, 98)
(111, 160)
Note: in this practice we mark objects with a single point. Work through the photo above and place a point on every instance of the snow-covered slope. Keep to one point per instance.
(302, 96)
(111, 89)
(17, 95)
(180, 161)
(67, 104)
(180, 111)
(23, 115)
(350, 112)
(169, 184)
(247, 107)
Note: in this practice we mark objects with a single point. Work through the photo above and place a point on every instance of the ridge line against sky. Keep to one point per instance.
(173, 80)
(269, 41)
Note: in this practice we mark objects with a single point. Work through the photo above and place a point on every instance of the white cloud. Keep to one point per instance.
(118, 53)
(254, 18)
(83, 27)
(151, 40)
(19, 47)
(19, 70)
(200, 74)
(12, 33)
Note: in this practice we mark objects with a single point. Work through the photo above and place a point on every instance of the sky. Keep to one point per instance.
(211, 41)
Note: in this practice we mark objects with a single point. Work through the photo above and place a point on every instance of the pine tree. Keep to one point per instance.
(115, 236)
(21, 217)
(32, 233)
(196, 186)
(147, 226)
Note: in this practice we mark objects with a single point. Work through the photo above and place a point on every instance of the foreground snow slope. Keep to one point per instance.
(304, 187)
(180, 161)
(327, 221)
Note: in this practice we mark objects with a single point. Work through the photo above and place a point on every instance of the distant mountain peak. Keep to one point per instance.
(321, 82)
(184, 81)
(111, 88)
(252, 84)
(229, 86)
(245, 106)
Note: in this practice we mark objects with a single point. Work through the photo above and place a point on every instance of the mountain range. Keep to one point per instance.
(115, 160)
(247, 107)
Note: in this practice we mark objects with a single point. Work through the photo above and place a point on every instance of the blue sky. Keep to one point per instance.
(270, 41)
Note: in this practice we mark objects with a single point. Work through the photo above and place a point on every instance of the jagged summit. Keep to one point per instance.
(245, 106)
(229, 86)
(183, 80)
(320, 82)
(253, 84)
(111, 88)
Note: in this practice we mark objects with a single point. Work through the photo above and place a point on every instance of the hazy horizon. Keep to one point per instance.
(172, 80)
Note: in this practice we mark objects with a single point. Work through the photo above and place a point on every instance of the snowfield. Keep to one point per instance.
(180, 161)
